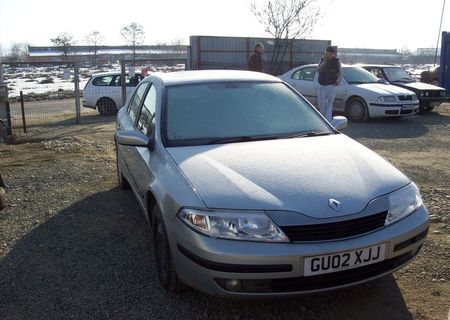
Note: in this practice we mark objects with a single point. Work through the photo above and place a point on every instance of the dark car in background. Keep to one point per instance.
(429, 95)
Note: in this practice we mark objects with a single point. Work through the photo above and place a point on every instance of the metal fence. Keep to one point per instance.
(208, 52)
(52, 93)
(44, 93)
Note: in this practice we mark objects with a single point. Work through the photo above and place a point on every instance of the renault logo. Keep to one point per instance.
(335, 205)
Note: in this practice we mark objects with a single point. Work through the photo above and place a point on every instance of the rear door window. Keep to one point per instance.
(305, 74)
(129, 82)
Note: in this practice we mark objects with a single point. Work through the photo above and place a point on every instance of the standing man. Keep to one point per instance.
(255, 62)
(329, 75)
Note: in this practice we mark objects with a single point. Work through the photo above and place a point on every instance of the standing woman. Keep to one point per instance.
(255, 62)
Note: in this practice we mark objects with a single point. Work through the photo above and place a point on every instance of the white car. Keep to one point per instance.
(103, 91)
(360, 95)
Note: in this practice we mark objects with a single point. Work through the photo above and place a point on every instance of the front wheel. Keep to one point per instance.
(163, 257)
(356, 110)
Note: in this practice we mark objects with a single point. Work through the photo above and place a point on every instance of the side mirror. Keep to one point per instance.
(339, 122)
(133, 138)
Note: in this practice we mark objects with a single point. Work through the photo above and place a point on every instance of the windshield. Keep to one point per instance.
(237, 111)
(357, 75)
(396, 74)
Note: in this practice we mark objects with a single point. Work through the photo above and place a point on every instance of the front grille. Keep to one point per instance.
(405, 98)
(406, 111)
(432, 93)
(324, 281)
(335, 230)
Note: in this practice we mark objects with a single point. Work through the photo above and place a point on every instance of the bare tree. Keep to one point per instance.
(63, 41)
(285, 20)
(18, 50)
(94, 39)
(134, 35)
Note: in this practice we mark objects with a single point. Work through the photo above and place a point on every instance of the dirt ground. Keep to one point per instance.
(74, 245)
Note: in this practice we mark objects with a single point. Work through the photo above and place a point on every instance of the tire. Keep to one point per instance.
(356, 110)
(106, 107)
(425, 107)
(163, 257)
(123, 183)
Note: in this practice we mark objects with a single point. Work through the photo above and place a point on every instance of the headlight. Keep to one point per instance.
(421, 94)
(414, 97)
(251, 226)
(387, 99)
(403, 202)
(442, 93)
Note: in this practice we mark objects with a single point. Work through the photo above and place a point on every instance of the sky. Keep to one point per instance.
(380, 24)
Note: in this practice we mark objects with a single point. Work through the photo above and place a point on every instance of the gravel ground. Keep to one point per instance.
(75, 246)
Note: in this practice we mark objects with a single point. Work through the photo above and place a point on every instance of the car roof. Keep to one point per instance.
(109, 73)
(316, 64)
(378, 65)
(207, 76)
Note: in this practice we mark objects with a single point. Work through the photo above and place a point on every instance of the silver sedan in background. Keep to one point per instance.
(249, 191)
(359, 94)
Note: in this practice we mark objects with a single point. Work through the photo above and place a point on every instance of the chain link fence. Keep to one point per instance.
(56, 93)
(42, 94)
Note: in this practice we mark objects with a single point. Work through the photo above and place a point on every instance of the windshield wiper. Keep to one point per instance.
(241, 139)
(306, 134)
(357, 82)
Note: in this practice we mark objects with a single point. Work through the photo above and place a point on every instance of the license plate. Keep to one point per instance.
(434, 104)
(407, 107)
(343, 260)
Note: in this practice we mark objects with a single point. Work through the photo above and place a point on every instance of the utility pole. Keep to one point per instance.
(439, 34)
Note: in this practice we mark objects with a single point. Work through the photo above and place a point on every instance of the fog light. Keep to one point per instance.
(233, 284)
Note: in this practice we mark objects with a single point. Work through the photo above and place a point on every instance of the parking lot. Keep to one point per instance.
(74, 245)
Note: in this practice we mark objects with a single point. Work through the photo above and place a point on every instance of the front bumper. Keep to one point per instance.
(434, 101)
(377, 110)
(277, 269)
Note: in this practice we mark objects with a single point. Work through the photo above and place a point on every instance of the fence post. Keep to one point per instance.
(8, 119)
(77, 93)
(22, 108)
(1, 71)
(123, 82)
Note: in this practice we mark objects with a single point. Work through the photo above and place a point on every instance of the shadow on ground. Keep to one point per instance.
(396, 128)
(93, 260)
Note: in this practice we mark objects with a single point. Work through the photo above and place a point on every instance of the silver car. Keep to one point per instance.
(359, 94)
(249, 191)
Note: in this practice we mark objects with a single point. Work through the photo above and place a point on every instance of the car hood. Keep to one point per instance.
(415, 86)
(300, 174)
(383, 89)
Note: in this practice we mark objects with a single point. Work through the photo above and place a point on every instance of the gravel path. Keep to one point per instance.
(75, 246)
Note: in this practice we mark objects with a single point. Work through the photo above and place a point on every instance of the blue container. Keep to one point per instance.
(444, 76)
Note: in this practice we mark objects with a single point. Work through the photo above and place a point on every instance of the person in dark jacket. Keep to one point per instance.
(329, 70)
(255, 62)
